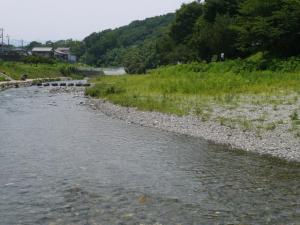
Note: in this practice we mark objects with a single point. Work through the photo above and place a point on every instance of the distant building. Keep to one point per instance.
(43, 51)
(12, 53)
(64, 54)
(60, 53)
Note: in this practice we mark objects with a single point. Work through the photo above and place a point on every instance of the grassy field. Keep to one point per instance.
(183, 89)
(16, 70)
(236, 94)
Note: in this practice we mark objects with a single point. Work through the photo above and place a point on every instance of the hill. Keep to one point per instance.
(110, 47)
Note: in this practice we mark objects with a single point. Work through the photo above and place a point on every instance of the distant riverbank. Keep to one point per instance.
(257, 111)
(16, 70)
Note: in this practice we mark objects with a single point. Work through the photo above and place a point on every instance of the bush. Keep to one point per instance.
(68, 70)
(38, 60)
(104, 89)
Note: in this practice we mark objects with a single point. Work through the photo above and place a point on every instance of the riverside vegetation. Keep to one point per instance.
(238, 94)
(39, 70)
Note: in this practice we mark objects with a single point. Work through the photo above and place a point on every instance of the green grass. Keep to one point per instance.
(183, 89)
(2, 79)
(17, 69)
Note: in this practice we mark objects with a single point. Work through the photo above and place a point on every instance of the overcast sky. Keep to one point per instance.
(62, 19)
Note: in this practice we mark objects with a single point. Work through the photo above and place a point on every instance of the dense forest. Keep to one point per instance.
(232, 28)
(208, 30)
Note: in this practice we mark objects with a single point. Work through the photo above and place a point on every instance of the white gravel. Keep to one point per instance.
(277, 142)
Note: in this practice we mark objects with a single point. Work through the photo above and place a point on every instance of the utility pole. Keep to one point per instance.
(2, 38)
(22, 43)
(8, 39)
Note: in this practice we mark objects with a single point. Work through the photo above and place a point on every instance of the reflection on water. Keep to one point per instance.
(63, 163)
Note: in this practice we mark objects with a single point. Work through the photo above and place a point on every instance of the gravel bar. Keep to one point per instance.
(277, 143)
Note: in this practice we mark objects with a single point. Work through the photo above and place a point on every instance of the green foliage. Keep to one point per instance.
(214, 38)
(16, 70)
(181, 89)
(134, 63)
(38, 59)
(104, 89)
(112, 47)
(67, 70)
(182, 27)
(294, 116)
(33, 44)
(138, 59)
(213, 8)
(269, 26)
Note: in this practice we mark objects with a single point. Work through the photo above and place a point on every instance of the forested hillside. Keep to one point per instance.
(237, 28)
(210, 30)
(111, 47)
(200, 32)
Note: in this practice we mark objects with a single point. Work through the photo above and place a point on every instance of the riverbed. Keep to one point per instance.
(61, 162)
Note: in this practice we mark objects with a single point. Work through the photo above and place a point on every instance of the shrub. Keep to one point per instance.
(101, 90)
(38, 59)
(68, 70)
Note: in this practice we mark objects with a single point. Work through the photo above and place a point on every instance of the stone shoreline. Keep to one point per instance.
(14, 84)
(277, 143)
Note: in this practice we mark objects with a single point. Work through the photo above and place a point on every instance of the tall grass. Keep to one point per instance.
(17, 69)
(181, 89)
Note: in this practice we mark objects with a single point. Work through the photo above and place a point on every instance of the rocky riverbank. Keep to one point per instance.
(46, 82)
(277, 136)
(14, 84)
(278, 142)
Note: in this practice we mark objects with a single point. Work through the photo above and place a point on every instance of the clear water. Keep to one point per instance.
(63, 163)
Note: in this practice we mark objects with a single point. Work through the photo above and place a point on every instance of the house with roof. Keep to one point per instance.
(43, 51)
(59, 53)
(64, 54)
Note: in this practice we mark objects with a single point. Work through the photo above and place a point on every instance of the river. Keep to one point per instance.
(63, 163)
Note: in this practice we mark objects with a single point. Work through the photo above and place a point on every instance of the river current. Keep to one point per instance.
(63, 163)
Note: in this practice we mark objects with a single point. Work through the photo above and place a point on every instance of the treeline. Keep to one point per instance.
(237, 28)
(200, 31)
(114, 47)
(232, 29)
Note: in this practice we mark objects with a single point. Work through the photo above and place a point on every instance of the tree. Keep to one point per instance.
(108, 47)
(49, 44)
(33, 44)
(141, 58)
(212, 8)
(271, 25)
(214, 38)
(186, 17)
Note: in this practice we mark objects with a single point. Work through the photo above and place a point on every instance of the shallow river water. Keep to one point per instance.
(63, 163)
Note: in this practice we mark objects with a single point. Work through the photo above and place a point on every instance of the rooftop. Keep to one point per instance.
(42, 49)
(63, 49)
